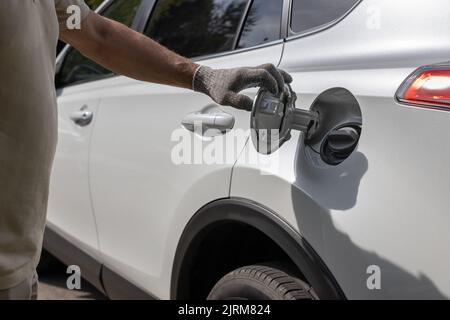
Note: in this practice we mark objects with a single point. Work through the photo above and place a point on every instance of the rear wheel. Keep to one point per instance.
(259, 282)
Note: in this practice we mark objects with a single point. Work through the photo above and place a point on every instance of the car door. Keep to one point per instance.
(143, 194)
(78, 92)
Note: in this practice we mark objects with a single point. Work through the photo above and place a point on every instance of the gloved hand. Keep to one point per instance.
(224, 85)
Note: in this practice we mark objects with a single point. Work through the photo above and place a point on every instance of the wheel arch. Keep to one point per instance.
(264, 220)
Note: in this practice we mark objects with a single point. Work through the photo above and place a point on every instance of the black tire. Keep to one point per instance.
(259, 282)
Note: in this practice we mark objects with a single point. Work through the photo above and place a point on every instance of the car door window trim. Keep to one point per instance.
(142, 16)
(237, 51)
(285, 19)
(237, 36)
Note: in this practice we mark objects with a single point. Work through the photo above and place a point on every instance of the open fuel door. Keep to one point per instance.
(331, 128)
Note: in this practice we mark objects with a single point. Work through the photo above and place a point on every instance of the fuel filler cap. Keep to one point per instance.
(274, 116)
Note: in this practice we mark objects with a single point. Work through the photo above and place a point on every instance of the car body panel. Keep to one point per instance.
(69, 200)
(385, 206)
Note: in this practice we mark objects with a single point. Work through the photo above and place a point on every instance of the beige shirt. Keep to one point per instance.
(28, 127)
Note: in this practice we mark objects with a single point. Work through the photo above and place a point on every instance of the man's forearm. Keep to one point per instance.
(130, 53)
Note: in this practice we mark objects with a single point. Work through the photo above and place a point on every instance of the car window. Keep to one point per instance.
(310, 14)
(76, 67)
(195, 28)
(263, 23)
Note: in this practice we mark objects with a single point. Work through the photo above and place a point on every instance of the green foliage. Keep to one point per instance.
(93, 4)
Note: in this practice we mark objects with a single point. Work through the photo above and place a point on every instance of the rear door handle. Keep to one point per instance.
(83, 117)
(218, 121)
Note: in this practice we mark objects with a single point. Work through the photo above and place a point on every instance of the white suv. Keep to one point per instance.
(319, 218)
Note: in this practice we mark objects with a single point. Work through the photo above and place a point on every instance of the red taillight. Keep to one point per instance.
(427, 87)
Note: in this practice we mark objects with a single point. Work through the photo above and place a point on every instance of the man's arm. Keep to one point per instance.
(132, 54)
(127, 52)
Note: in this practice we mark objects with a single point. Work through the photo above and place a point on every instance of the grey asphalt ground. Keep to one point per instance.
(52, 286)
